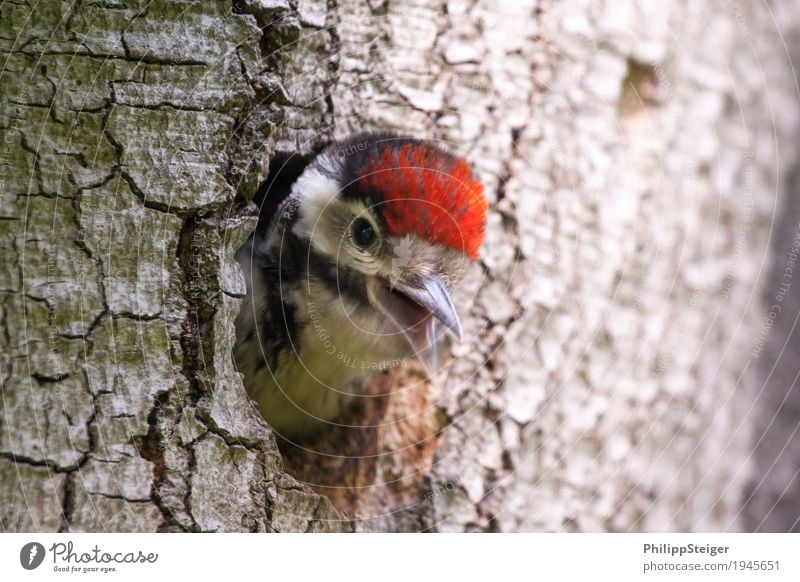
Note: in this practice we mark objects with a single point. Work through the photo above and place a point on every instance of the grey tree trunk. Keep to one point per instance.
(631, 155)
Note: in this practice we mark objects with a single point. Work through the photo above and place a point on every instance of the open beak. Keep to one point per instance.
(418, 308)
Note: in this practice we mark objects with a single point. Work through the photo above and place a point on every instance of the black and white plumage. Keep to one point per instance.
(349, 272)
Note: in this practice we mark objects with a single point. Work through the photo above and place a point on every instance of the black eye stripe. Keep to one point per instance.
(363, 233)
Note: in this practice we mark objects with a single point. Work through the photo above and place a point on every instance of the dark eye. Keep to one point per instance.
(363, 233)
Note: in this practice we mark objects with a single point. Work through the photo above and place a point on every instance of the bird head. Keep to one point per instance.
(391, 225)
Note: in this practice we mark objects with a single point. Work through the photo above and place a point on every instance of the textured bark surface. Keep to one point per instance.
(631, 155)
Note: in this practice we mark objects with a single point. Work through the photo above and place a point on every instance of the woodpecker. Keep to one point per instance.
(350, 271)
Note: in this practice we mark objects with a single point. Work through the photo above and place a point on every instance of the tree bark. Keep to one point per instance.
(630, 152)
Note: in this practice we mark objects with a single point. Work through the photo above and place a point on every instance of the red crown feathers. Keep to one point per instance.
(429, 194)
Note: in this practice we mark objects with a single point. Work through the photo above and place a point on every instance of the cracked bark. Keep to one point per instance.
(593, 394)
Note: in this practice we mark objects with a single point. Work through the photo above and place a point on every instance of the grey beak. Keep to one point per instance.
(432, 294)
(416, 307)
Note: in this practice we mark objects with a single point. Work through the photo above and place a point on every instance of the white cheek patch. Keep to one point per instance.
(318, 193)
(325, 218)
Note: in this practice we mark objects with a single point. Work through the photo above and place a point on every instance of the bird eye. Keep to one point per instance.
(363, 233)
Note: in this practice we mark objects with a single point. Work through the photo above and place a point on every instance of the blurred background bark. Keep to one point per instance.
(772, 497)
(619, 322)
